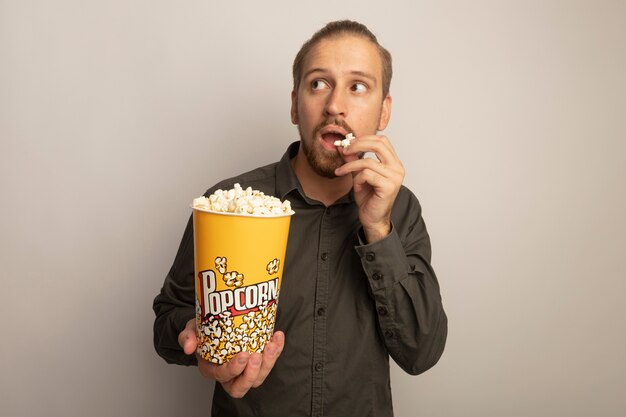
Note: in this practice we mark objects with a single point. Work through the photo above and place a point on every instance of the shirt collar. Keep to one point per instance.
(286, 180)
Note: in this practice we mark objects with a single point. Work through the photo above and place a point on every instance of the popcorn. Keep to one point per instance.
(272, 267)
(345, 142)
(233, 279)
(240, 201)
(222, 335)
(220, 340)
(201, 203)
(220, 264)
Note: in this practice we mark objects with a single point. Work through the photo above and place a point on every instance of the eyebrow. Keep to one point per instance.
(354, 72)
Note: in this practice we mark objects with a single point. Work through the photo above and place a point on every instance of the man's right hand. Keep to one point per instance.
(244, 371)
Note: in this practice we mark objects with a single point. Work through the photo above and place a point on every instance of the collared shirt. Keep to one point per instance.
(345, 306)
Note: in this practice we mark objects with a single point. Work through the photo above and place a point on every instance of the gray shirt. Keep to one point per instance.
(345, 306)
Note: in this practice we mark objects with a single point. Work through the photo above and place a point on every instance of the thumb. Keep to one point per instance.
(187, 339)
(347, 157)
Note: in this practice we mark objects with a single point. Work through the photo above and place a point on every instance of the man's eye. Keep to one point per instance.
(318, 85)
(359, 87)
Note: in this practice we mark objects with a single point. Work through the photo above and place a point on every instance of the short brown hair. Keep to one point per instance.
(336, 29)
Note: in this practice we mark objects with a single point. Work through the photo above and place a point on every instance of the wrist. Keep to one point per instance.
(378, 232)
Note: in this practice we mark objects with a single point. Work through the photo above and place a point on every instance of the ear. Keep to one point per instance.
(294, 107)
(385, 113)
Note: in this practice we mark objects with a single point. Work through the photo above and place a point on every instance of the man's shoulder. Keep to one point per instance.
(262, 179)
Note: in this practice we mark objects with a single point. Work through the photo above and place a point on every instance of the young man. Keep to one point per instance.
(357, 286)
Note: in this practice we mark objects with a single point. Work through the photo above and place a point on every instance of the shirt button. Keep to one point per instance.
(319, 366)
(376, 276)
(321, 311)
(324, 256)
(388, 334)
(370, 256)
(382, 311)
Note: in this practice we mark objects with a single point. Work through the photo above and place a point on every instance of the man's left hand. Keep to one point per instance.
(376, 182)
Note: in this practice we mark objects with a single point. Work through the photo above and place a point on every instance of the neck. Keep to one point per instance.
(325, 190)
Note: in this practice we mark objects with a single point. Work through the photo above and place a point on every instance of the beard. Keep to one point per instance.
(322, 161)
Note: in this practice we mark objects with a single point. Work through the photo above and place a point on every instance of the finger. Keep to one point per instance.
(394, 172)
(187, 339)
(373, 179)
(346, 156)
(270, 354)
(230, 370)
(206, 368)
(191, 344)
(362, 164)
(379, 145)
(239, 386)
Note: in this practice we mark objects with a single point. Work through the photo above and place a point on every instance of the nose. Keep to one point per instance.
(335, 104)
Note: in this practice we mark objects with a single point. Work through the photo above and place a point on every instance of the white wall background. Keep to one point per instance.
(511, 120)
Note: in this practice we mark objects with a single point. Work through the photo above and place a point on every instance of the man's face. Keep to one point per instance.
(340, 92)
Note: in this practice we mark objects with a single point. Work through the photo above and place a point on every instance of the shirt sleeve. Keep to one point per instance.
(174, 306)
(405, 290)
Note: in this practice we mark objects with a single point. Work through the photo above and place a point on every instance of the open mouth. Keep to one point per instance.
(330, 134)
(331, 137)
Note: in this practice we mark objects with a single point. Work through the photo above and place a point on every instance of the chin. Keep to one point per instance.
(323, 162)
(330, 174)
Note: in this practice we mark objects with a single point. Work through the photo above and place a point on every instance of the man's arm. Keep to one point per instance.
(395, 254)
(175, 304)
(403, 285)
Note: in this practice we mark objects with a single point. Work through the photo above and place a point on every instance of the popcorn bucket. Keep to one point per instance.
(239, 262)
